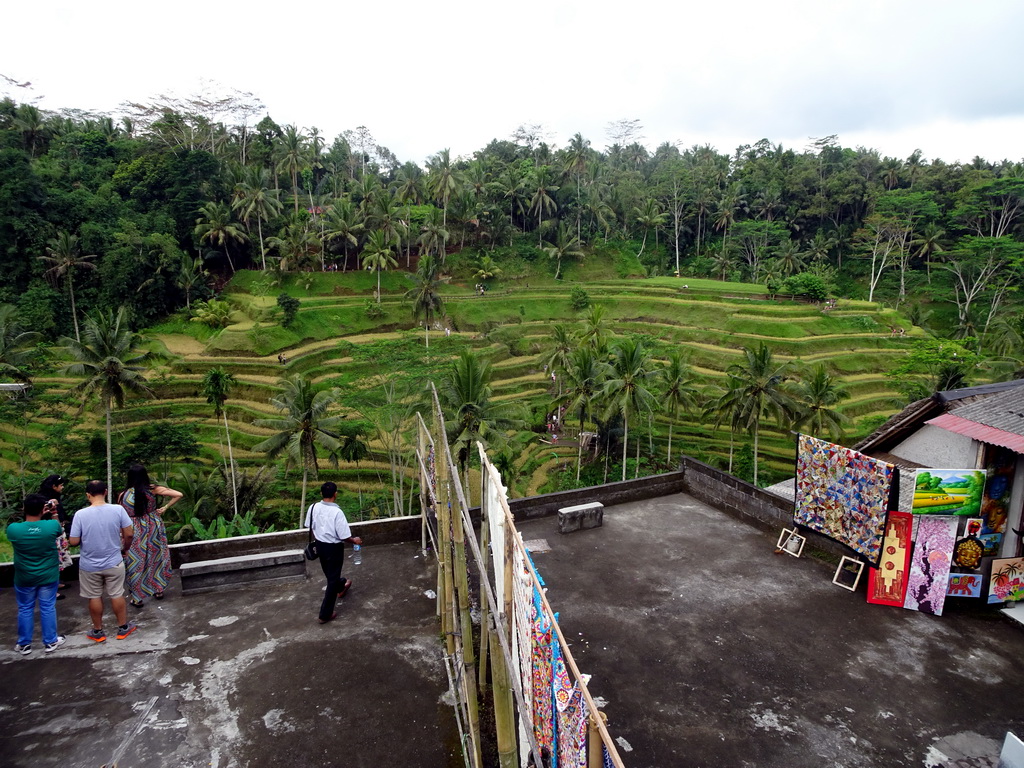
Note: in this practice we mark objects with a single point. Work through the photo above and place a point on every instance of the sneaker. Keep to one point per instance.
(127, 629)
(96, 634)
(51, 647)
(24, 650)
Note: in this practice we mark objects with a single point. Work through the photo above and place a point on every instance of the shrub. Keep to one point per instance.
(806, 284)
(578, 298)
(373, 310)
(289, 308)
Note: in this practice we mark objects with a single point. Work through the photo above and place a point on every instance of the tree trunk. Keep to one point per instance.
(756, 430)
(263, 249)
(110, 464)
(670, 444)
(302, 503)
(231, 463)
(74, 313)
(625, 441)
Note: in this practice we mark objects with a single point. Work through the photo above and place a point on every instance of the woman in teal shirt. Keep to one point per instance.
(36, 574)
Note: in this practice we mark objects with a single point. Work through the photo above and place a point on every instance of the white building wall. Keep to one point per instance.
(939, 448)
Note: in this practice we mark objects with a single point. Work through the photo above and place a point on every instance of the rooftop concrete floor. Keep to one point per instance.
(246, 677)
(711, 650)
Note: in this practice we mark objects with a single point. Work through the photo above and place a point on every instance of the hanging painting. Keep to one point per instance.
(1007, 582)
(968, 551)
(844, 495)
(929, 566)
(995, 504)
(948, 492)
(964, 585)
(887, 584)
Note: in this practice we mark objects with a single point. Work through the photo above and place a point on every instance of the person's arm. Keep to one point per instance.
(76, 529)
(355, 540)
(170, 494)
(127, 534)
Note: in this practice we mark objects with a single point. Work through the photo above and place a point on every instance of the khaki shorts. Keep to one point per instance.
(109, 582)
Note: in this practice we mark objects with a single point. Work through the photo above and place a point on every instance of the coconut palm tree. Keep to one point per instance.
(584, 375)
(343, 222)
(679, 390)
(627, 391)
(216, 227)
(292, 156)
(649, 216)
(304, 428)
(255, 200)
(15, 343)
(472, 416)
(113, 363)
(190, 275)
(757, 384)
(556, 357)
(441, 181)
(62, 253)
(378, 256)
(216, 387)
(816, 399)
(434, 237)
(542, 201)
(426, 300)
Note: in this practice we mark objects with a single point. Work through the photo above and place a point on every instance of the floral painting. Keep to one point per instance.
(843, 494)
(1007, 582)
(930, 564)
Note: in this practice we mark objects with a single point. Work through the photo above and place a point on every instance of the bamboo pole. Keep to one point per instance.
(504, 715)
(595, 755)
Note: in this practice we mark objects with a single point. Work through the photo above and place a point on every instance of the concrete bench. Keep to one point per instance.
(580, 516)
(231, 572)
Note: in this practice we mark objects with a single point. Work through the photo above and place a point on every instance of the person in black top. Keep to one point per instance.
(52, 488)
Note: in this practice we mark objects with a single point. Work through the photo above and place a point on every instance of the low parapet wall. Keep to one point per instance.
(609, 494)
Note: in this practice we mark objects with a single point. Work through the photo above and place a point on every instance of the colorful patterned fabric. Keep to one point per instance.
(843, 494)
(887, 584)
(543, 715)
(522, 631)
(607, 757)
(147, 564)
(572, 715)
(1007, 582)
(929, 568)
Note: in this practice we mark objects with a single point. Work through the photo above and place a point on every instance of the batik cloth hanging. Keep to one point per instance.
(930, 564)
(607, 757)
(543, 713)
(844, 495)
(887, 584)
(571, 713)
(522, 632)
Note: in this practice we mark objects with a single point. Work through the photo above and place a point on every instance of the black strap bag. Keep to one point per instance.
(310, 550)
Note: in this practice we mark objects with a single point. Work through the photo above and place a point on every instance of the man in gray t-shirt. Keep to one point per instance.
(105, 533)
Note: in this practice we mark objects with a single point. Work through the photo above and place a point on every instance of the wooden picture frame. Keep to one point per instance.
(790, 542)
(848, 568)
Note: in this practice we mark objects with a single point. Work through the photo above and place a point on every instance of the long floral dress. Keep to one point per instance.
(148, 564)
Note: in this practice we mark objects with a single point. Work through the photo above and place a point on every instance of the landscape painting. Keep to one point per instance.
(949, 492)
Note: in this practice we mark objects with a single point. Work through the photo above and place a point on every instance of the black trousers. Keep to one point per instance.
(332, 558)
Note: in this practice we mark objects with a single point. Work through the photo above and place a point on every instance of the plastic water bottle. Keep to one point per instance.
(357, 554)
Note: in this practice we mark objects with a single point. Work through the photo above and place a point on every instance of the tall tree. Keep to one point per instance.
(816, 398)
(217, 385)
(255, 200)
(628, 387)
(113, 363)
(292, 157)
(425, 295)
(441, 181)
(378, 255)
(304, 428)
(678, 390)
(64, 256)
(584, 375)
(15, 343)
(216, 227)
(565, 245)
(543, 200)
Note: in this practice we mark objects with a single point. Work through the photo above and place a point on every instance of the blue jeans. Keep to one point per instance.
(27, 598)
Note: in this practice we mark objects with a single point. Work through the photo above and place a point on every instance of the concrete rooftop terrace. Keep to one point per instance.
(709, 650)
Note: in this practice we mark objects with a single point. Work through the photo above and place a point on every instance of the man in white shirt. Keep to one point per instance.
(331, 531)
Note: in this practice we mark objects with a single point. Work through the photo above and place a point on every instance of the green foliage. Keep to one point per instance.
(213, 313)
(289, 308)
(578, 298)
(933, 365)
(373, 310)
(806, 284)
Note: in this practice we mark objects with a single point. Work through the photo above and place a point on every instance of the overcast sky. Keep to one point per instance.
(942, 76)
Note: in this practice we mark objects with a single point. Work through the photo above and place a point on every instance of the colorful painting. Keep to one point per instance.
(968, 551)
(995, 504)
(930, 564)
(843, 494)
(964, 585)
(887, 584)
(1007, 582)
(948, 492)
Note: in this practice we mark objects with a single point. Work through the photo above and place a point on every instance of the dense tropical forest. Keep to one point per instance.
(280, 275)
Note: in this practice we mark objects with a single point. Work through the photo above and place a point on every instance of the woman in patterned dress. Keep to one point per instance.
(147, 564)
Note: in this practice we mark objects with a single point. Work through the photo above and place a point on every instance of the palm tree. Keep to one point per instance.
(757, 385)
(931, 241)
(595, 329)
(434, 237)
(465, 394)
(15, 343)
(585, 375)
(565, 245)
(296, 244)
(190, 275)
(292, 157)
(649, 216)
(112, 362)
(378, 256)
(62, 253)
(441, 180)
(680, 391)
(303, 428)
(255, 200)
(487, 268)
(816, 398)
(510, 185)
(343, 223)
(426, 300)
(542, 201)
(216, 388)
(789, 258)
(628, 389)
(556, 358)
(215, 226)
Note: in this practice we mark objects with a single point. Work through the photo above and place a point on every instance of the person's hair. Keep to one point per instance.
(96, 488)
(49, 486)
(33, 504)
(328, 490)
(138, 479)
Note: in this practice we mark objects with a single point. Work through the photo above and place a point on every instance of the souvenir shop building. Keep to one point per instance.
(972, 428)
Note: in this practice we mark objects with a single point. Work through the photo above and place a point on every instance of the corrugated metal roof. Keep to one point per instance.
(981, 432)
